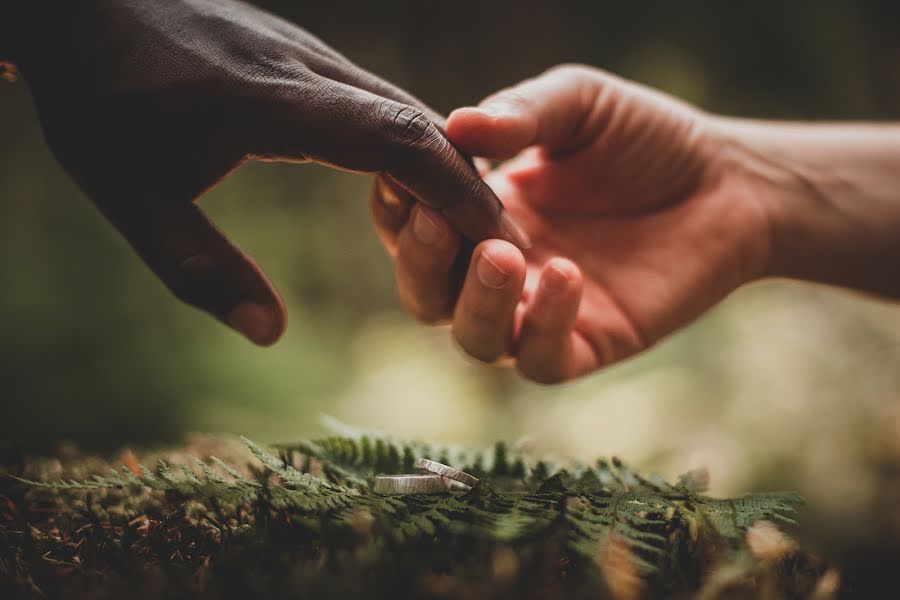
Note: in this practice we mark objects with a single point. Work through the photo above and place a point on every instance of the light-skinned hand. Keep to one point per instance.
(638, 225)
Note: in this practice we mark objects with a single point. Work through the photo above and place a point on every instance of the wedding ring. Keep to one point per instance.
(447, 471)
(458, 486)
(411, 484)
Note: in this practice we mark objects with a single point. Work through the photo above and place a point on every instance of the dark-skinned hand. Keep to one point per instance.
(147, 105)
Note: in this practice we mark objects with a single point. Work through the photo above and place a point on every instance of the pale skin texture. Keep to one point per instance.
(643, 213)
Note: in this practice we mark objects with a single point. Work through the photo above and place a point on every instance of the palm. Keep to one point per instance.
(637, 221)
(657, 235)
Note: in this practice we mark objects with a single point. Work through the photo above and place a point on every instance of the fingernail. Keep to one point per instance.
(553, 280)
(426, 230)
(258, 323)
(514, 232)
(490, 274)
(499, 109)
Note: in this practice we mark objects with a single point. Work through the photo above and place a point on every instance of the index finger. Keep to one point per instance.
(426, 164)
(351, 128)
(446, 182)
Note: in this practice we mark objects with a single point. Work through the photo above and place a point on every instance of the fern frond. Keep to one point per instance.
(587, 508)
(732, 517)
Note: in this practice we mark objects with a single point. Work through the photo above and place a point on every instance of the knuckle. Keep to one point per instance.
(572, 70)
(409, 126)
(511, 97)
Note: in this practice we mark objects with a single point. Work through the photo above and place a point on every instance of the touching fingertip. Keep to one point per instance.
(460, 115)
(459, 121)
(471, 124)
(514, 232)
(491, 132)
(260, 324)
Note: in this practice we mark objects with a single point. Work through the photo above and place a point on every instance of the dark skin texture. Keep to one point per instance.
(147, 105)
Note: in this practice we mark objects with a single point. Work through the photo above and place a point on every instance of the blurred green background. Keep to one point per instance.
(782, 385)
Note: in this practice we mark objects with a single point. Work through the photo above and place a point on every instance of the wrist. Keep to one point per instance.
(830, 198)
(765, 188)
(785, 193)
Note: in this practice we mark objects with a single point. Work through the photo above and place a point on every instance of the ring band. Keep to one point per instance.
(446, 471)
(411, 484)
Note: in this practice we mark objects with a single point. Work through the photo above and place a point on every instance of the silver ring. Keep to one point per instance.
(446, 471)
(411, 484)
(458, 486)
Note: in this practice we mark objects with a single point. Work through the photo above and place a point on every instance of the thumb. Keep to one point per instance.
(202, 268)
(550, 110)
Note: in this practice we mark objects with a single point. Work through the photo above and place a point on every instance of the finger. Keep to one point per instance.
(426, 251)
(202, 268)
(548, 350)
(484, 316)
(338, 68)
(551, 110)
(391, 206)
(347, 127)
